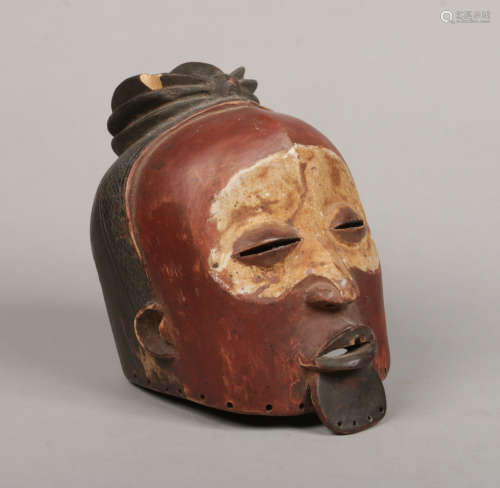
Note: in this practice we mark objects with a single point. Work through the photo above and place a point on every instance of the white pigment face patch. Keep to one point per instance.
(301, 188)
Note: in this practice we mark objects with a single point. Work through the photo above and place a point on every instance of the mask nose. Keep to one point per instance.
(328, 295)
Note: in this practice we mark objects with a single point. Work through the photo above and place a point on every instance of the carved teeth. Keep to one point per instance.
(354, 343)
(350, 339)
(336, 352)
(344, 359)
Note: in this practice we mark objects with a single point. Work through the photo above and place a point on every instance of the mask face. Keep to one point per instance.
(268, 283)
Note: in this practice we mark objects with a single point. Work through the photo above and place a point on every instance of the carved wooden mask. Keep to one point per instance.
(235, 257)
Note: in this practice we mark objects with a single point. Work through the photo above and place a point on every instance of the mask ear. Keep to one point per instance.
(154, 332)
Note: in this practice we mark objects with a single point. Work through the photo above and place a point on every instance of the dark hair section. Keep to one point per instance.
(124, 283)
(143, 102)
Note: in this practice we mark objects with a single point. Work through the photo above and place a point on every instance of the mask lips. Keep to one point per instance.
(346, 359)
(353, 348)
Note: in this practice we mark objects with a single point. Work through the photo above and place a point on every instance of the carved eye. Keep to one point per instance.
(265, 245)
(347, 224)
(350, 224)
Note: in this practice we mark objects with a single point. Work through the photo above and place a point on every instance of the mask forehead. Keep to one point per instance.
(301, 187)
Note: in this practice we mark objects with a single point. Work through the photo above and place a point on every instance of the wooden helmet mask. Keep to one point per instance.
(234, 254)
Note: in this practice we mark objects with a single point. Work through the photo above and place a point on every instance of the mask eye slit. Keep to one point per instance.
(269, 246)
(347, 225)
(351, 224)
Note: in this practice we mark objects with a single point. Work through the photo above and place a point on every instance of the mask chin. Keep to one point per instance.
(348, 401)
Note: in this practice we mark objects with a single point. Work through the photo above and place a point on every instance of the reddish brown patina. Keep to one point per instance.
(260, 262)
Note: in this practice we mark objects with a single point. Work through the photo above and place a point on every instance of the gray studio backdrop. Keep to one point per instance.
(411, 101)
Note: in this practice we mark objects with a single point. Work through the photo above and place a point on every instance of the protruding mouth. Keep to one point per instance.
(353, 348)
